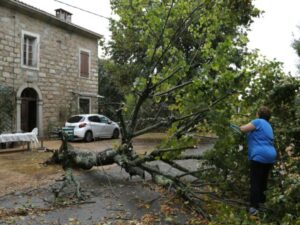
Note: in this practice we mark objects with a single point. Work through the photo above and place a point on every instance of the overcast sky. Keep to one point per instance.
(272, 33)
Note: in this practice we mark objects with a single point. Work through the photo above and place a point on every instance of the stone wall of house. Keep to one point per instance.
(7, 112)
(57, 76)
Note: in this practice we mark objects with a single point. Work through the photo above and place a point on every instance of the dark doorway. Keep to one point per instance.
(84, 105)
(28, 110)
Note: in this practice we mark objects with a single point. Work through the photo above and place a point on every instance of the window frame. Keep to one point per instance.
(89, 63)
(36, 50)
(104, 120)
(90, 104)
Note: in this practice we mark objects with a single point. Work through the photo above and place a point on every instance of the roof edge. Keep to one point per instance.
(47, 17)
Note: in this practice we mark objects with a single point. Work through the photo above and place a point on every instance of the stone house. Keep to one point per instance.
(49, 63)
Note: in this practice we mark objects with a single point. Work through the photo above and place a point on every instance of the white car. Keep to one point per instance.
(90, 126)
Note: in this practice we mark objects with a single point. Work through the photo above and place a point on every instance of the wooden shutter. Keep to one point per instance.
(84, 64)
(25, 52)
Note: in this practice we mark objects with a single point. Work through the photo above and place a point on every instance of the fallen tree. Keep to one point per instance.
(133, 164)
(185, 62)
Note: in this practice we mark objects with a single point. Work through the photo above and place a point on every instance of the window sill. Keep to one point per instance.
(30, 67)
(84, 77)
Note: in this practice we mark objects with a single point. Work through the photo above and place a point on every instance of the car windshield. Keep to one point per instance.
(75, 119)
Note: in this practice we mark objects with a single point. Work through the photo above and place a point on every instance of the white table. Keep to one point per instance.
(30, 137)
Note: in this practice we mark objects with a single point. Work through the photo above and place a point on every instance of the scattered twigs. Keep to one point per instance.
(192, 173)
(195, 200)
(186, 157)
(69, 180)
(151, 201)
(109, 182)
(4, 213)
(159, 152)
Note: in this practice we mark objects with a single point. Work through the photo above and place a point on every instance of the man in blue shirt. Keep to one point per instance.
(262, 155)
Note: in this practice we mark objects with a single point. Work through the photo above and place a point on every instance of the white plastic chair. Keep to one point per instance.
(34, 133)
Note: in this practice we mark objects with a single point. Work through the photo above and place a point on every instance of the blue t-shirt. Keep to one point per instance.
(260, 142)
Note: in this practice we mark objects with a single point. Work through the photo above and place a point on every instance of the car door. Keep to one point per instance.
(106, 127)
(95, 125)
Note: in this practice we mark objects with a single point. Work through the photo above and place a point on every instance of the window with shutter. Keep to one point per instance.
(84, 63)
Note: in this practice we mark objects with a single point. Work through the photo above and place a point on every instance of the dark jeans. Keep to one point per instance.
(259, 173)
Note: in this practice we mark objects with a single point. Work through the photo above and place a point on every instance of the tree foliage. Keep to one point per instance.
(229, 156)
(110, 88)
(186, 55)
(186, 63)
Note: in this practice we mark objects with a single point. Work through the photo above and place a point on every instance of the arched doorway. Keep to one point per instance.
(29, 108)
(29, 99)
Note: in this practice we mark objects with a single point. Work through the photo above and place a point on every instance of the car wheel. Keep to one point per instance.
(115, 134)
(88, 136)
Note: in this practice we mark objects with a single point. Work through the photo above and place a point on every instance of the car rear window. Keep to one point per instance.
(94, 119)
(75, 119)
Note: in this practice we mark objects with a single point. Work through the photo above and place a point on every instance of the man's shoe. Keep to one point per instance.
(253, 211)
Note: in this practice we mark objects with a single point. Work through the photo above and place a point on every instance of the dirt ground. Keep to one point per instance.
(25, 169)
(26, 191)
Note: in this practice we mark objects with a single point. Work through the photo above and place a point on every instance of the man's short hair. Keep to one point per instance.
(264, 113)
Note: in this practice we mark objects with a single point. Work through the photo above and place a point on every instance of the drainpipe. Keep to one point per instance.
(19, 101)
(40, 118)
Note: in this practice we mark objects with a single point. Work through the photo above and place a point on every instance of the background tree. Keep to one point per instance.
(111, 88)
